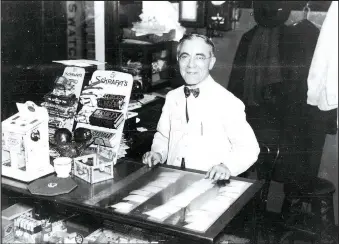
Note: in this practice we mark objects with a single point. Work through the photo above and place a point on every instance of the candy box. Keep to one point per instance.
(16, 210)
(7, 231)
(106, 118)
(111, 101)
(106, 139)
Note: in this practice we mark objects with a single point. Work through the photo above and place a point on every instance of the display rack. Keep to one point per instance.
(105, 98)
(62, 102)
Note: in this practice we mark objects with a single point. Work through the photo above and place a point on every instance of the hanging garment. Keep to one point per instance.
(262, 64)
(266, 80)
(301, 40)
(303, 128)
(323, 93)
(323, 75)
(301, 131)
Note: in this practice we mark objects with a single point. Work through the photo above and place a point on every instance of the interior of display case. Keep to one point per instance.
(23, 224)
(172, 201)
(182, 201)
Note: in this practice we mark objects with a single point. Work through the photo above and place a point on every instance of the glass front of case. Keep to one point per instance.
(177, 198)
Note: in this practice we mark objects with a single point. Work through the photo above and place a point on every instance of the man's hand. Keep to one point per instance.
(151, 158)
(218, 172)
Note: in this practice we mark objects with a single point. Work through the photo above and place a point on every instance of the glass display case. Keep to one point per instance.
(161, 200)
(183, 202)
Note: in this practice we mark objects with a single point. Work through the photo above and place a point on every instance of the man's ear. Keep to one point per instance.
(212, 62)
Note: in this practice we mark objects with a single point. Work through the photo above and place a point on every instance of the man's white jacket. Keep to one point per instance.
(217, 131)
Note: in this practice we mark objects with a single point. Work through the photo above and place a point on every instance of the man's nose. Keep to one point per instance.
(191, 62)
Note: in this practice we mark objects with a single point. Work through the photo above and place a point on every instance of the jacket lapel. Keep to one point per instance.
(180, 100)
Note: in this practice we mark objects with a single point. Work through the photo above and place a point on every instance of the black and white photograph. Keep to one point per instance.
(169, 122)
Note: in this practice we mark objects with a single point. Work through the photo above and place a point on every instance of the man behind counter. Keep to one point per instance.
(202, 126)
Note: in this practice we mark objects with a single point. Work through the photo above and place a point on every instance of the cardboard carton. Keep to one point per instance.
(25, 141)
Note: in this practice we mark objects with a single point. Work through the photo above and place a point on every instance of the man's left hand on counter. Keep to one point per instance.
(218, 172)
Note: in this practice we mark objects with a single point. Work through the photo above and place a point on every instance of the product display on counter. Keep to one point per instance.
(62, 102)
(67, 144)
(108, 139)
(105, 98)
(95, 167)
(107, 119)
(25, 146)
(105, 106)
(111, 101)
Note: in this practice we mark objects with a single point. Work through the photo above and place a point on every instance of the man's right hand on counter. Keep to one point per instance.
(151, 158)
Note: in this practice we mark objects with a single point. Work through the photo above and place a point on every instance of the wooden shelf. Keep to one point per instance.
(145, 55)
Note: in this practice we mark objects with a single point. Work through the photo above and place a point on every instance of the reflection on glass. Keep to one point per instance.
(175, 197)
(217, 3)
(189, 10)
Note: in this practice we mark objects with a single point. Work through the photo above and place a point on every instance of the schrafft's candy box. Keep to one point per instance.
(106, 139)
(106, 118)
(25, 142)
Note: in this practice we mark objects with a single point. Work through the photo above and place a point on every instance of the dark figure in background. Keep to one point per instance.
(269, 75)
(258, 63)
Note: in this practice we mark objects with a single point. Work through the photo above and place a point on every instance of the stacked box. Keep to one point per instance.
(106, 118)
(111, 101)
(7, 231)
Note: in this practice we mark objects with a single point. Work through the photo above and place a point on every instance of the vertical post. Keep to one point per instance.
(112, 32)
(254, 220)
(99, 32)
